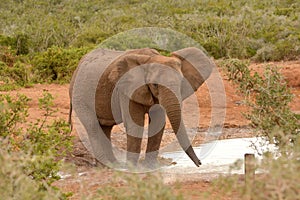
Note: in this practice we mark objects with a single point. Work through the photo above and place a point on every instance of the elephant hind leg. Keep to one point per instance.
(108, 145)
(107, 131)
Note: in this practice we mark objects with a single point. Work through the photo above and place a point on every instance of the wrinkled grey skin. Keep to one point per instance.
(111, 87)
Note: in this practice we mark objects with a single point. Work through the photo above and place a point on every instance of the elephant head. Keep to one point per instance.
(148, 78)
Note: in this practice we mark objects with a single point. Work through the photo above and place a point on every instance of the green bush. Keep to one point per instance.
(40, 146)
(269, 98)
(135, 186)
(278, 180)
(14, 69)
(56, 64)
(271, 109)
(239, 29)
(162, 39)
(15, 184)
(20, 43)
(7, 55)
(17, 75)
(13, 112)
(125, 42)
(7, 41)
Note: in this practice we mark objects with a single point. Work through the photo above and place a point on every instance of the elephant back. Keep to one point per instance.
(87, 76)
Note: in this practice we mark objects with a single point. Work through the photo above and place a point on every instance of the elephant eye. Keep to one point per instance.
(155, 85)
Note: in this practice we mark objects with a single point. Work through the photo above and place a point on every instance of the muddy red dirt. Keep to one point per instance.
(235, 125)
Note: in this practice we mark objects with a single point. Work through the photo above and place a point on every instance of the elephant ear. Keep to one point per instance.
(129, 79)
(196, 68)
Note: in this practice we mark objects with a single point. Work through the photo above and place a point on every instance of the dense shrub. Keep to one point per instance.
(56, 64)
(14, 69)
(135, 186)
(269, 98)
(162, 39)
(15, 184)
(17, 75)
(20, 43)
(279, 179)
(7, 55)
(262, 29)
(34, 148)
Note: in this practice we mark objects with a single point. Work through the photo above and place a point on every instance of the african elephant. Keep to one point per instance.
(111, 87)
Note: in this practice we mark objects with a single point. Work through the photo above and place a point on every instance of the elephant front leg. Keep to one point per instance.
(153, 150)
(133, 149)
(108, 145)
(134, 124)
(156, 128)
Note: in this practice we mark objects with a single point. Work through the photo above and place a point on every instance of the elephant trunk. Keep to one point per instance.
(173, 109)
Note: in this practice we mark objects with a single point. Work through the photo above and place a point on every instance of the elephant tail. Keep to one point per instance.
(70, 117)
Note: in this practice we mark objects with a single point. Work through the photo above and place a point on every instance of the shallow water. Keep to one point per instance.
(219, 156)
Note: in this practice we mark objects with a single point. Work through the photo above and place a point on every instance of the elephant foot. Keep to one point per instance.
(151, 164)
(132, 160)
(115, 165)
(153, 161)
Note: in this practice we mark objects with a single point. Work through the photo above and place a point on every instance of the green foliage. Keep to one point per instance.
(46, 142)
(40, 146)
(133, 186)
(7, 56)
(269, 98)
(17, 75)
(125, 42)
(15, 184)
(259, 29)
(56, 64)
(13, 112)
(43, 41)
(20, 43)
(238, 72)
(162, 39)
(271, 109)
(14, 71)
(279, 179)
